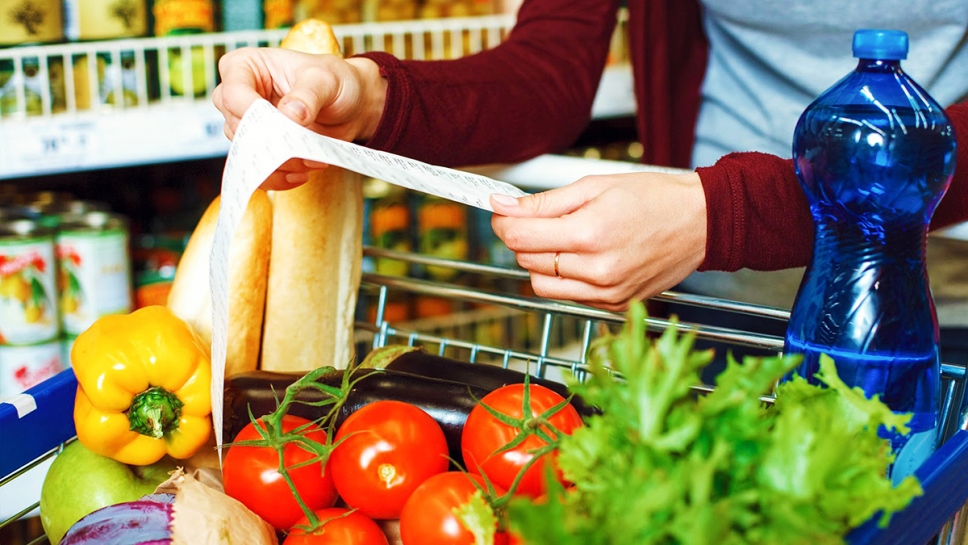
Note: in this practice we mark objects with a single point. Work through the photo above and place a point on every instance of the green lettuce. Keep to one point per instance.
(665, 465)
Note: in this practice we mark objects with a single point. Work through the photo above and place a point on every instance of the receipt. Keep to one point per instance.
(264, 140)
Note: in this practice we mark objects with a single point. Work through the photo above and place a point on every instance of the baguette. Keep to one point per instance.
(191, 299)
(317, 252)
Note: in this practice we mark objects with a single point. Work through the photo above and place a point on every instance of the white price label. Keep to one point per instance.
(57, 145)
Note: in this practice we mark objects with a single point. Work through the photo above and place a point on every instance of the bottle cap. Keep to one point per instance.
(890, 45)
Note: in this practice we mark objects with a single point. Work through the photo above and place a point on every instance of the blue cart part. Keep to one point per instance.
(37, 421)
(944, 478)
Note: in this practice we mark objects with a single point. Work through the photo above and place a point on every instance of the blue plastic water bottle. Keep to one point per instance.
(874, 154)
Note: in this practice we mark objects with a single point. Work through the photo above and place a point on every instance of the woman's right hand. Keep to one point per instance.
(341, 98)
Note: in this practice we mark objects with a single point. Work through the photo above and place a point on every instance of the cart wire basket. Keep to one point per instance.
(486, 315)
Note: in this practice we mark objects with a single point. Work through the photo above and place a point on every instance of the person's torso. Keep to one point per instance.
(770, 58)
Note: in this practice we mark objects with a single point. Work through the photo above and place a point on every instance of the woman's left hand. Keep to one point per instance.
(616, 238)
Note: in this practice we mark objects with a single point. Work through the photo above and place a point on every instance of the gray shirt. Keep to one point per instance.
(770, 58)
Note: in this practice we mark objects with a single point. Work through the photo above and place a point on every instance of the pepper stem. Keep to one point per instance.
(155, 412)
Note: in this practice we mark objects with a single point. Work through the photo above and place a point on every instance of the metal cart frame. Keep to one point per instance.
(545, 337)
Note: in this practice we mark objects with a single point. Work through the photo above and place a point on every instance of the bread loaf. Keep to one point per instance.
(315, 266)
(191, 300)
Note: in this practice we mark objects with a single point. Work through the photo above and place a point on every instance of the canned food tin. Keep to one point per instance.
(28, 308)
(111, 74)
(104, 19)
(94, 272)
(66, 345)
(22, 367)
(29, 80)
(34, 21)
(50, 214)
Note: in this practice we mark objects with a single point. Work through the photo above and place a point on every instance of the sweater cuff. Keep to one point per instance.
(399, 92)
(725, 218)
(757, 215)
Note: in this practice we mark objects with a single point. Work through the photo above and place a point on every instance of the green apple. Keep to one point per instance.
(80, 482)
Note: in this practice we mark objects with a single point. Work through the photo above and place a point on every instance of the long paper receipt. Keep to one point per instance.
(264, 140)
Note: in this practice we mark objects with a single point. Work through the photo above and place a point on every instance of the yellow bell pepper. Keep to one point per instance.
(143, 387)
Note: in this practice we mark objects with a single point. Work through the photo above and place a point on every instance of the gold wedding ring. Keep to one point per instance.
(557, 256)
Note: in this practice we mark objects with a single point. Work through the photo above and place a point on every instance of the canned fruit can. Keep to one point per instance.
(31, 21)
(172, 16)
(442, 227)
(104, 19)
(113, 74)
(94, 273)
(24, 89)
(22, 367)
(28, 309)
(66, 345)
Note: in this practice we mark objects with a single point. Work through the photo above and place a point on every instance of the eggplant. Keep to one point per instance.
(448, 402)
(146, 521)
(489, 377)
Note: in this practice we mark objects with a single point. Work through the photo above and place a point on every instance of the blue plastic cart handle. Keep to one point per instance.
(944, 478)
(36, 421)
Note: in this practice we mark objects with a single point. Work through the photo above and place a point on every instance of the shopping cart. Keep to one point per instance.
(492, 320)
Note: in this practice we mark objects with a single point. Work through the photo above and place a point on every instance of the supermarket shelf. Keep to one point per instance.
(83, 141)
(49, 123)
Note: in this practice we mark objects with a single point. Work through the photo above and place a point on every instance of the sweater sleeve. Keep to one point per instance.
(531, 94)
(757, 216)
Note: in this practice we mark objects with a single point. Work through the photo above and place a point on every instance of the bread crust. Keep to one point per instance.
(317, 253)
(191, 298)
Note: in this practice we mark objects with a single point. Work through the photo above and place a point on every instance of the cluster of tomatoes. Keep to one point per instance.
(389, 461)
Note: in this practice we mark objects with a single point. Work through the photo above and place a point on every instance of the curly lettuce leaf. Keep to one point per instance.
(664, 465)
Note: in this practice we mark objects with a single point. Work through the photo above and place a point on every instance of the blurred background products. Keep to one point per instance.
(31, 22)
(104, 19)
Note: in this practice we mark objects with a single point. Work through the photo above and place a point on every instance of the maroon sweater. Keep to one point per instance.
(533, 95)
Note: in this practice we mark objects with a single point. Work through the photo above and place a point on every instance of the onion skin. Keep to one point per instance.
(146, 521)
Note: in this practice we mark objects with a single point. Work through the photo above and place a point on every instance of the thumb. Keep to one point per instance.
(547, 204)
(314, 88)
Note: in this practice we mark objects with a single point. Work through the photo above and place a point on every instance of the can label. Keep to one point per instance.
(442, 226)
(23, 367)
(110, 75)
(66, 345)
(174, 15)
(94, 277)
(28, 311)
(31, 21)
(279, 13)
(31, 78)
(104, 19)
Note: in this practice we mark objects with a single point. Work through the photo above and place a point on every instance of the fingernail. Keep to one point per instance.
(295, 109)
(504, 200)
(296, 178)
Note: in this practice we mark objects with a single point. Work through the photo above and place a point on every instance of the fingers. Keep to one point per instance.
(548, 204)
(314, 88)
(552, 287)
(293, 173)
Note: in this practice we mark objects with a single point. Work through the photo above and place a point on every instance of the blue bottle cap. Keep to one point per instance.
(889, 45)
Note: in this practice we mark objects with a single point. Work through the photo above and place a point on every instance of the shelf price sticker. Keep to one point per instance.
(264, 140)
(63, 144)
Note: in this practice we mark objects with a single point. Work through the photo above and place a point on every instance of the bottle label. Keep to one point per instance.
(174, 15)
(279, 13)
(911, 451)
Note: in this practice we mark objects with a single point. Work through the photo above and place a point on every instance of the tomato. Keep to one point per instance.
(388, 448)
(484, 435)
(429, 517)
(340, 527)
(251, 475)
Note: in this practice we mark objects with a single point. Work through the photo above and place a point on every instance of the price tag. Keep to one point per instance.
(55, 145)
